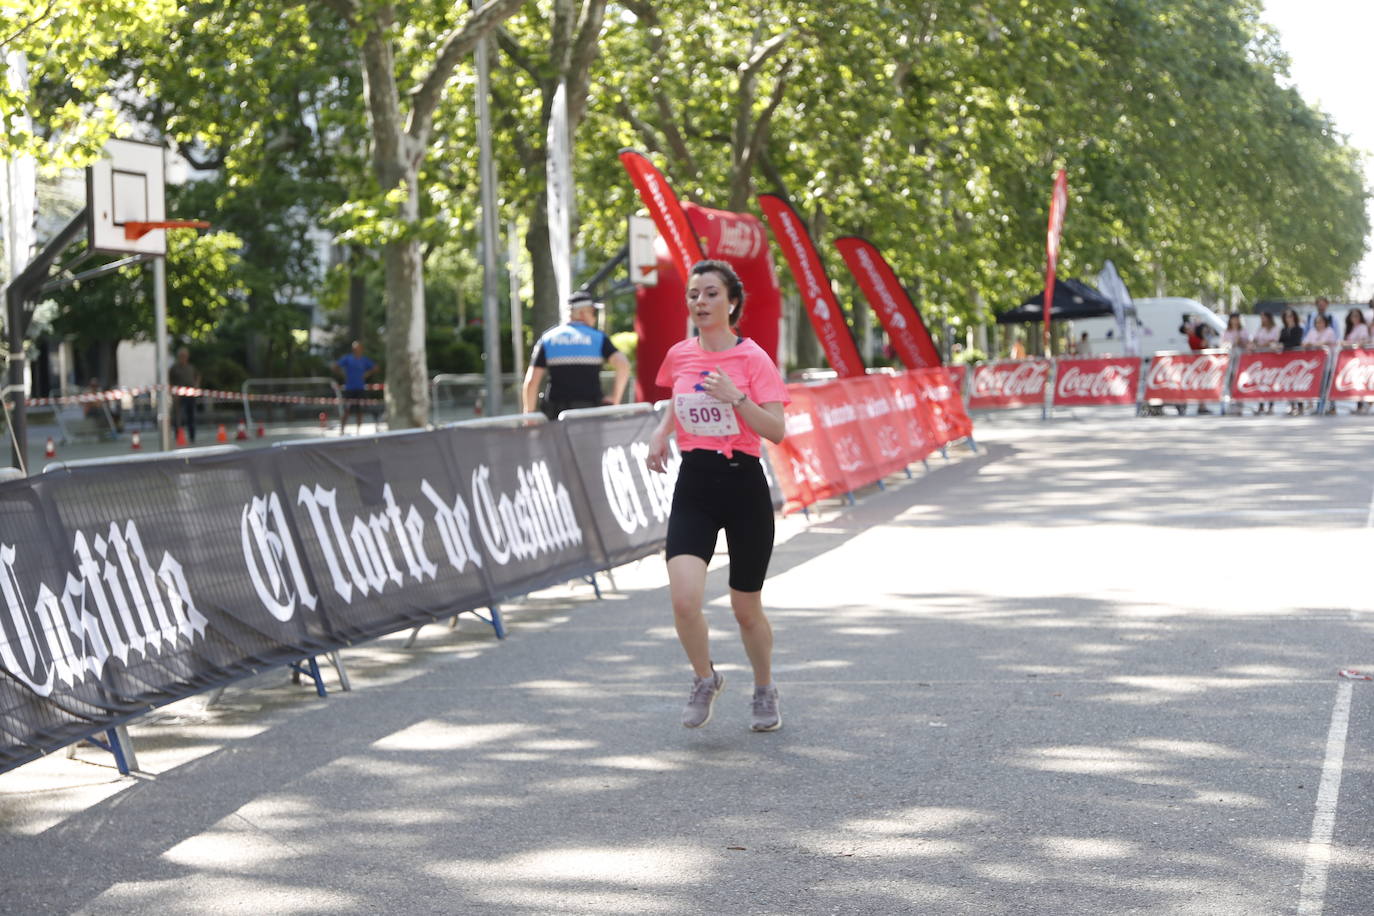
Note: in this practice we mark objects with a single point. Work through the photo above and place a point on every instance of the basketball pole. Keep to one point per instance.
(164, 397)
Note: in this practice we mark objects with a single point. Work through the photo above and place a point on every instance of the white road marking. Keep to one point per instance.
(1313, 892)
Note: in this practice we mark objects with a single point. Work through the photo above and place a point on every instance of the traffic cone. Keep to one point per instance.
(243, 431)
(50, 450)
(135, 441)
(262, 430)
(221, 435)
(181, 437)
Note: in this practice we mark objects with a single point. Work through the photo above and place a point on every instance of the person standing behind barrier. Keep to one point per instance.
(1266, 338)
(727, 395)
(572, 354)
(355, 369)
(1322, 335)
(184, 375)
(1290, 338)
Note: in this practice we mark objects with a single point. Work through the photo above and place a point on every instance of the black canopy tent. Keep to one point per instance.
(1073, 300)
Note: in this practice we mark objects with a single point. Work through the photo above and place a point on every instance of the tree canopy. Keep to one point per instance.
(934, 127)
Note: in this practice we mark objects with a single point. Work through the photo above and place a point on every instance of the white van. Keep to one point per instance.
(1157, 326)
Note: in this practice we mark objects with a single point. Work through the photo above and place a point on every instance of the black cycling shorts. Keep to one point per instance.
(715, 492)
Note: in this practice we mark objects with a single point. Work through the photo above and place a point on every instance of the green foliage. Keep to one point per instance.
(626, 342)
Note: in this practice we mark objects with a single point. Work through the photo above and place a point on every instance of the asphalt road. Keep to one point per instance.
(1092, 669)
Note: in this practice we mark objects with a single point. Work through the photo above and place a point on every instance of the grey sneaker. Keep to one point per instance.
(704, 692)
(767, 715)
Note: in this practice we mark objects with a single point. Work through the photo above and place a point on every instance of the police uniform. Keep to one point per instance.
(573, 354)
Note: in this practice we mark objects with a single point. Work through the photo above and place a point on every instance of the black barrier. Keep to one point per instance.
(126, 587)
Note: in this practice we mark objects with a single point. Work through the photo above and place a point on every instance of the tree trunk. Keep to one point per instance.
(357, 294)
(407, 370)
(543, 311)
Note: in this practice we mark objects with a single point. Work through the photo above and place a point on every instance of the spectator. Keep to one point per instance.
(1235, 338)
(1322, 335)
(184, 375)
(355, 369)
(1266, 338)
(1018, 349)
(572, 354)
(1323, 304)
(1290, 338)
(1356, 329)
(1085, 349)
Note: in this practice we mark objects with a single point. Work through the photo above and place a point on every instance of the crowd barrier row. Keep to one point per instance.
(1306, 374)
(129, 584)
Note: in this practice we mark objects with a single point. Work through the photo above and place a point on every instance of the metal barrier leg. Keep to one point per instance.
(973, 445)
(908, 471)
(944, 452)
(925, 463)
(596, 588)
(213, 696)
(850, 498)
(310, 669)
(117, 742)
(410, 640)
(337, 661)
(610, 574)
(494, 620)
(881, 485)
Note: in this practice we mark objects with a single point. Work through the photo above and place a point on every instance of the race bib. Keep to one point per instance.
(702, 415)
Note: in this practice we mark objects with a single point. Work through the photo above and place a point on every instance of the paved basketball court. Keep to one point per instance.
(1089, 670)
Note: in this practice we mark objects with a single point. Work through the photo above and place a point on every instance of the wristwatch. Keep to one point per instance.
(740, 402)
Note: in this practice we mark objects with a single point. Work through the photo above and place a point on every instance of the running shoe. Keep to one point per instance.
(767, 715)
(704, 692)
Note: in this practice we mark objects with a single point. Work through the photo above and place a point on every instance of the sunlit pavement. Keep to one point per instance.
(1091, 669)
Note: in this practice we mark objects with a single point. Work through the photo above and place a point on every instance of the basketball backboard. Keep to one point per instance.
(643, 258)
(128, 185)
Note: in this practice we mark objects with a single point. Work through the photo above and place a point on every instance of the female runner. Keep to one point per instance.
(726, 395)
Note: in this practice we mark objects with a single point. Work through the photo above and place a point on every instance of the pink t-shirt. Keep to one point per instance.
(702, 422)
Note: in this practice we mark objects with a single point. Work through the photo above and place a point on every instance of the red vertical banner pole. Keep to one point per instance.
(1059, 202)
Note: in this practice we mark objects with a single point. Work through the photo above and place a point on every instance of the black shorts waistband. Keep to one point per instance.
(703, 460)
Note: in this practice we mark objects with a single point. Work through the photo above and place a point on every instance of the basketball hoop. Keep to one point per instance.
(135, 230)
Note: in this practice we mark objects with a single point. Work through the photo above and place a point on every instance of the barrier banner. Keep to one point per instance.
(1353, 377)
(917, 422)
(894, 308)
(1009, 384)
(1097, 380)
(840, 421)
(1292, 375)
(629, 502)
(1177, 378)
(940, 388)
(804, 463)
(827, 318)
(880, 423)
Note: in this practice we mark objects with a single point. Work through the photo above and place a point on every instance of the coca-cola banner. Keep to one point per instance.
(1179, 378)
(1009, 384)
(827, 318)
(1353, 377)
(1099, 380)
(1293, 375)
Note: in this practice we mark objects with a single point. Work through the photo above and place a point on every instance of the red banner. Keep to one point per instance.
(663, 206)
(894, 308)
(803, 462)
(814, 284)
(880, 423)
(1101, 380)
(1353, 378)
(1295, 375)
(918, 423)
(1009, 384)
(1059, 202)
(940, 389)
(1175, 378)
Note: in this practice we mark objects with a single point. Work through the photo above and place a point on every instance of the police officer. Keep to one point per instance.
(572, 354)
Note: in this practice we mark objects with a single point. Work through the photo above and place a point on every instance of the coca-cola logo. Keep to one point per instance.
(1109, 381)
(1356, 375)
(1012, 380)
(1292, 377)
(1200, 373)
